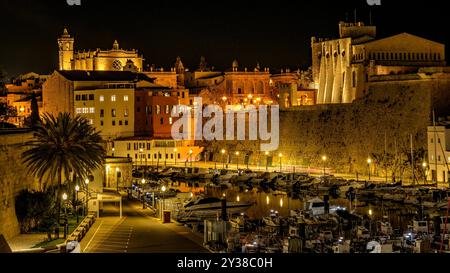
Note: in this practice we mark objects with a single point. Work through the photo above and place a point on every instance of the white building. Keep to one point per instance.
(439, 153)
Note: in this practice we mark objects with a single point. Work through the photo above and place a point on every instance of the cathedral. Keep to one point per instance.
(343, 67)
(115, 59)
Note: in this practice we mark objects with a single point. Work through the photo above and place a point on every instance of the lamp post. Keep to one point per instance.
(190, 156)
(117, 179)
(324, 159)
(176, 154)
(223, 157)
(163, 189)
(237, 160)
(370, 221)
(143, 197)
(369, 161)
(113, 150)
(267, 161)
(280, 155)
(77, 189)
(64, 197)
(424, 165)
(86, 181)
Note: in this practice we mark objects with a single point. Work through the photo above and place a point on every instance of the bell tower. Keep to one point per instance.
(65, 46)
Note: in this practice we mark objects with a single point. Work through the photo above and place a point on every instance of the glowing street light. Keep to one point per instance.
(369, 161)
(237, 160)
(324, 159)
(223, 157)
(64, 196)
(77, 189)
(86, 181)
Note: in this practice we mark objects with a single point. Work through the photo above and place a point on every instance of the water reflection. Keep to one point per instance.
(398, 215)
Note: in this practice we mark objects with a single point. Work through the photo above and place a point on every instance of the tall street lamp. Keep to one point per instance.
(163, 189)
(223, 157)
(143, 195)
(324, 159)
(64, 197)
(280, 155)
(425, 165)
(369, 161)
(77, 189)
(86, 181)
(267, 161)
(190, 156)
(237, 160)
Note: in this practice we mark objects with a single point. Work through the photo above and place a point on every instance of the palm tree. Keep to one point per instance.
(63, 145)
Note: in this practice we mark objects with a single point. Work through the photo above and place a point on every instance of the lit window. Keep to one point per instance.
(113, 98)
(113, 113)
(126, 113)
(85, 110)
(158, 109)
(102, 98)
(91, 121)
(125, 98)
(92, 110)
(170, 120)
(79, 110)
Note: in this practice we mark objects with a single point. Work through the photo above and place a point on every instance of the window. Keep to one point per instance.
(113, 123)
(102, 98)
(125, 98)
(138, 109)
(128, 146)
(167, 109)
(138, 98)
(78, 110)
(135, 156)
(179, 156)
(85, 110)
(92, 110)
(154, 156)
(91, 121)
(91, 96)
(84, 97)
(182, 95)
(170, 121)
(101, 123)
(239, 91)
(432, 140)
(120, 123)
(126, 122)
(125, 113)
(148, 146)
(113, 113)
(77, 97)
(158, 109)
(113, 98)
(102, 113)
(161, 121)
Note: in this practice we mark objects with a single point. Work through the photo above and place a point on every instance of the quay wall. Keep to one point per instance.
(395, 107)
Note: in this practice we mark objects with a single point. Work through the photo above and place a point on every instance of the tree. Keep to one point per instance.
(34, 118)
(62, 146)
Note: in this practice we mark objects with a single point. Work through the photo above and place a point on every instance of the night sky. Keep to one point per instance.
(276, 34)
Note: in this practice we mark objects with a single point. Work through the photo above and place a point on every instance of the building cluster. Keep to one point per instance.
(131, 104)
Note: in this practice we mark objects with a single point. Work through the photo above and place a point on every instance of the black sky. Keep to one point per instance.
(275, 33)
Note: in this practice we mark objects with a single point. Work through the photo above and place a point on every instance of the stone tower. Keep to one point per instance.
(65, 45)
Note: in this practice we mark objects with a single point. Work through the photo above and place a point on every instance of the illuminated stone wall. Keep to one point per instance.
(13, 179)
(398, 105)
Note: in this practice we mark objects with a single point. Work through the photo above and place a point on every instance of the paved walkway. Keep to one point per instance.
(138, 232)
